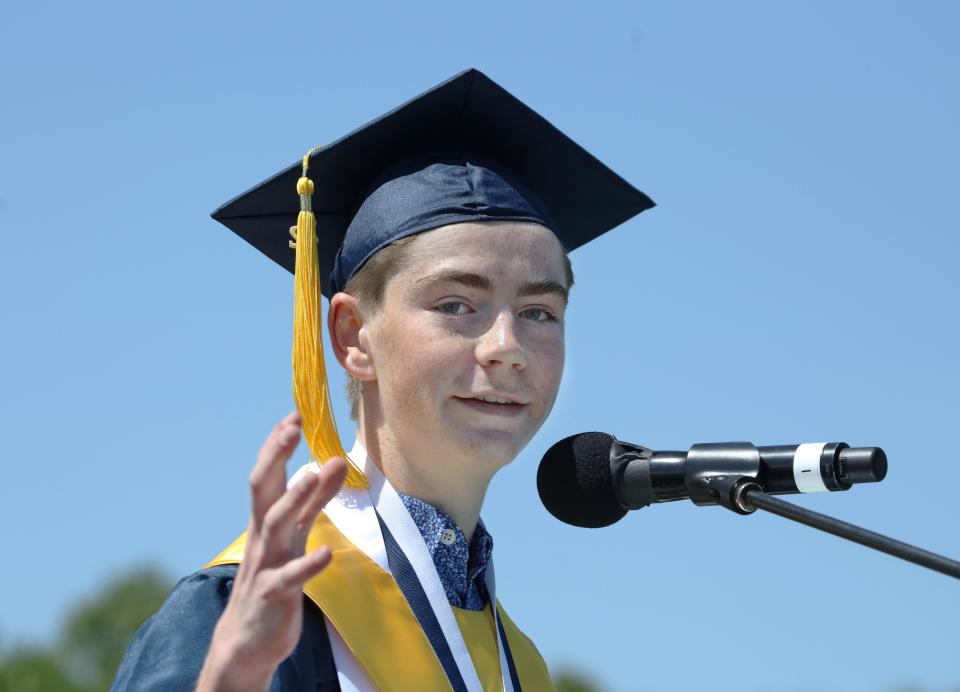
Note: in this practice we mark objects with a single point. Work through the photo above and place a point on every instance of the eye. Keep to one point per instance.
(453, 307)
(538, 315)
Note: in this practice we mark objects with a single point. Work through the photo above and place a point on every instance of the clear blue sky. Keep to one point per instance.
(797, 282)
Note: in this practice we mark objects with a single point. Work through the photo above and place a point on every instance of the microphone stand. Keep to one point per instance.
(743, 495)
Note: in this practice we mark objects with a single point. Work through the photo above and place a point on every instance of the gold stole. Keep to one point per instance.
(368, 610)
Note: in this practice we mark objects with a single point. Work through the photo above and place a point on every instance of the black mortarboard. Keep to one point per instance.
(465, 150)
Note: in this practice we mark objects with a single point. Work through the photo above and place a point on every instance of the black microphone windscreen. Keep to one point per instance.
(575, 482)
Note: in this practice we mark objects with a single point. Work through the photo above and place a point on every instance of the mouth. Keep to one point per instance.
(493, 404)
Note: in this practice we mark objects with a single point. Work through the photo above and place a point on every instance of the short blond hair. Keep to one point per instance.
(368, 284)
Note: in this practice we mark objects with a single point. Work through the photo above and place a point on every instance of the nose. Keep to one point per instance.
(499, 344)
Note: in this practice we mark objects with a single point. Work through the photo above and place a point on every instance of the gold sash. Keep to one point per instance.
(368, 610)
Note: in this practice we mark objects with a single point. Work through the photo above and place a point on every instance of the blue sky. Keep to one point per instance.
(797, 282)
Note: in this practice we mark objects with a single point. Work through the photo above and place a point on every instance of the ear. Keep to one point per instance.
(345, 322)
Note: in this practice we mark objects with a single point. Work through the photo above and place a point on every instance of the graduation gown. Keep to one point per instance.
(168, 650)
(359, 631)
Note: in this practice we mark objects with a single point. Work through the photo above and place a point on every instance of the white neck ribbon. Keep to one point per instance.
(354, 513)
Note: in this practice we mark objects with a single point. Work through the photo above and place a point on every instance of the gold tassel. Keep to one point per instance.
(311, 390)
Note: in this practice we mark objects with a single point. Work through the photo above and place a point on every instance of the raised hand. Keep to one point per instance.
(261, 624)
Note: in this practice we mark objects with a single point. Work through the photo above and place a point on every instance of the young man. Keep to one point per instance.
(442, 231)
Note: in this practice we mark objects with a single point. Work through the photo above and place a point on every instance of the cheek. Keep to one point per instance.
(547, 359)
(418, 362)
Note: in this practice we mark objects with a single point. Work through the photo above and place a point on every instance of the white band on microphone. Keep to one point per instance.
(806, 468)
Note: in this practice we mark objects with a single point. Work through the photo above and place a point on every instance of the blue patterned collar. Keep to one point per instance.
(460, 569)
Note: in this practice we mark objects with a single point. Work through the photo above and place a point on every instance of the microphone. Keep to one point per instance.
(592, 479)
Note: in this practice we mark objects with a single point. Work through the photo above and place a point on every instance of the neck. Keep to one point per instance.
(455, 488)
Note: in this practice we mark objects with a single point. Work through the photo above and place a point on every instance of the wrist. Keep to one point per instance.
(228, 669)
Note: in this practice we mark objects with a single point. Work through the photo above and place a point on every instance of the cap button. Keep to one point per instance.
(304, 186)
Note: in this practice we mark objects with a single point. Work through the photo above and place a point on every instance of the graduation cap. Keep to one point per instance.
(468, 120)
(465, 150)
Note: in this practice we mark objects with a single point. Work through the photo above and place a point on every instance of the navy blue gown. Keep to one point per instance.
(168, 650)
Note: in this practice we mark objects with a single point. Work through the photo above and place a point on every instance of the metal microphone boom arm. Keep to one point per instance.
(743, 495)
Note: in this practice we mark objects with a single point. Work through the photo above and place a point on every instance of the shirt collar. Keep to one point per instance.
(461, 569)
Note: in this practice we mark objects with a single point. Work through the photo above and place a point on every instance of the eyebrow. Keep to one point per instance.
(544, 286)
(483, 283)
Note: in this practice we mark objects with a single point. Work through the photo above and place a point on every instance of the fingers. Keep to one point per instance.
(296, 572)
(331, 477)
(268, 480)
(276, 531)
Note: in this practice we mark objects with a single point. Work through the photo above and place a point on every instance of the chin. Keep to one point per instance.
(493, 448)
